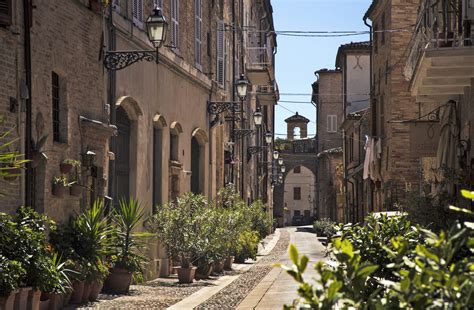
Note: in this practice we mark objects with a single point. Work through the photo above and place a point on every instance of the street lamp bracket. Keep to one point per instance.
(218, 107)
(118, 60)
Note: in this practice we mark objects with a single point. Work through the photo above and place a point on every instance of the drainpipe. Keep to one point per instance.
(371, 96)
(27, 50)
(111, 101)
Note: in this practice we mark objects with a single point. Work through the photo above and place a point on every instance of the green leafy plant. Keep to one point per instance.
(11, 271)
(247, 246)
(127, 245)
(390, 264)
(61, 181)
(325, 227)
(72, 162)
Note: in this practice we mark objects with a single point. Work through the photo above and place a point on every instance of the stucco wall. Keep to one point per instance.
(304, 180)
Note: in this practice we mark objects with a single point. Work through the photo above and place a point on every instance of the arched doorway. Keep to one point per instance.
(122, 157)
(195, 166)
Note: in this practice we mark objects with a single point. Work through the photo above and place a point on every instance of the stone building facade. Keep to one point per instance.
(392, 106)
(327, 96)
(143, 131)
(295, 199)
(354, 61)
(59, 95)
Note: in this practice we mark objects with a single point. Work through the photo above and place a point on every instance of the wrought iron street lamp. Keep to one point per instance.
(258, 118)
(157, 26)
(283, 169)
(268, 137)
(241, 86)
(276, 155)
(280, 161)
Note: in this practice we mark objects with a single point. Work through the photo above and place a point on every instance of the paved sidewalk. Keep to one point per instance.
(278, 288)
(206, 293)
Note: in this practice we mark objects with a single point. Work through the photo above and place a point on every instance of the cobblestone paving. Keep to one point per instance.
(157, 294)
(233, 294)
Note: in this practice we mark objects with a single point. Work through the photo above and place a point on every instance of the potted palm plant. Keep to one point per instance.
(66, 165)
(127, 259)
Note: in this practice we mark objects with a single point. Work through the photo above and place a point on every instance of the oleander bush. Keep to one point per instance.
(324, 227)
(200, 232)
(391, 264)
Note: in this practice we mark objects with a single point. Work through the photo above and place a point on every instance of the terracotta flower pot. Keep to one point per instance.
(55, 300)
(96, 288)
(77, 292)
(34, 299)
(14, 172)
(203, 271)
(65, 168)
(36, 158)
(118, 281)
(44, 304)
(21, 298)
(218, 267)
(66, 298)
(59, 190)
(186, 275)
(75, 190)
(228, 263)
(86, 292)
(8, 302)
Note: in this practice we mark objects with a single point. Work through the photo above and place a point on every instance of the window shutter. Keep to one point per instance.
(175, 23)
(198, 29)
(220, 53)
(5, 12)
(137, 12)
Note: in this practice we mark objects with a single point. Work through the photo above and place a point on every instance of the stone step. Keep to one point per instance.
(447, 81)
(441, 90)
(467, 72)
(455, 61)
(435, 98)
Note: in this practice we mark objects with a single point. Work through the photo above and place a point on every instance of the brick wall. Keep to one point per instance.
(11, 75)
(399, 168)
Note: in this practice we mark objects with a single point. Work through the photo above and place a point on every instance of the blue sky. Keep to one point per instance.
(298, 58)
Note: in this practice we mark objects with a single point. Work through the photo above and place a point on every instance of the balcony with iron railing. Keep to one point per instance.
(440, 62)
(260, 64)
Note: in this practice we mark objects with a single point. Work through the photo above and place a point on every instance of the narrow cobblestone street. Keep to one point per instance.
(262, 286)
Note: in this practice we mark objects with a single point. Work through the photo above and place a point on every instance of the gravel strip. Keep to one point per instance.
(157, 294)
(233, 294)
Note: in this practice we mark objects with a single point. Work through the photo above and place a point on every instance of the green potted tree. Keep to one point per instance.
(67, 165)
(127, 259)
(177, 225)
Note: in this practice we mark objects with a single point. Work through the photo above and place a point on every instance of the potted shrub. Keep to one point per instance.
(52, 295)
(126, 259)
(11, 168)
(12, 272)
(60, 186)
(177, 225)
(66, 165)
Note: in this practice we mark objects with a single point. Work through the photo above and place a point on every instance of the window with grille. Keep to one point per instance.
(297, 169)
(220, 54)
(56, 110)
(375, 38)
(296, 193)
(5, 12)
(198, 32)
(137, 12)
(332, 123)
(175, 23)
